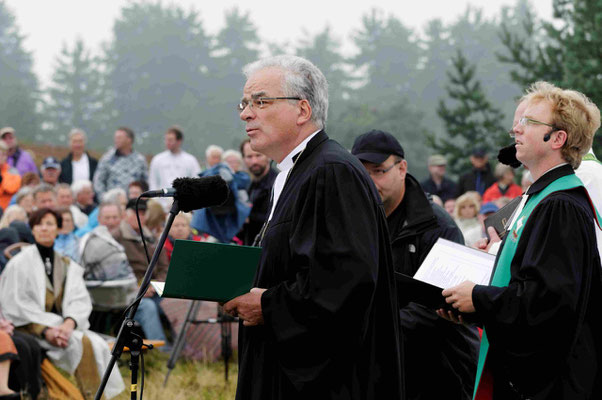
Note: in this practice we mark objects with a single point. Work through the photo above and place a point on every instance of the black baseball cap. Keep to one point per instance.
(479, 152)
(376, 146)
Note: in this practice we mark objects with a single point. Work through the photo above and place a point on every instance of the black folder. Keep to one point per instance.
(420, 292)
(501, 218)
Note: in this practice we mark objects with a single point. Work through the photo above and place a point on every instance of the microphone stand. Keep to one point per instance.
(126, 337)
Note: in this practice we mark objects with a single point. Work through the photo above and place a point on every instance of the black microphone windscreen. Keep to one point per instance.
(507, 156)
(195, 193)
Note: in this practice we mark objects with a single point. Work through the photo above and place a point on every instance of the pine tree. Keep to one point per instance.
(19, 85)
(568, 52)
(470, 121)
(77, 93)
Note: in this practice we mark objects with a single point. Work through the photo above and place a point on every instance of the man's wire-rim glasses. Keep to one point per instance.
(381, 171)
(524, 121)
(260, 102)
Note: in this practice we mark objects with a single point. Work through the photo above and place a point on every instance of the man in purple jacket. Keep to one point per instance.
(17, 157)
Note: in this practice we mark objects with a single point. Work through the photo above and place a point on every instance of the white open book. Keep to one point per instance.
(449, 264)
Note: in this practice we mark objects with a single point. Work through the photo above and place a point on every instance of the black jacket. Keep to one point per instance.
(468, 181)
(67, 169)
(440, 357)
(446, 191)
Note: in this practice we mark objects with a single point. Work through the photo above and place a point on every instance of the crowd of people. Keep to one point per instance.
(71, 252)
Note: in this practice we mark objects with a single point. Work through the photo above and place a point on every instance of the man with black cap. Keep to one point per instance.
(439, 357)
(480, 177)
(51, 170)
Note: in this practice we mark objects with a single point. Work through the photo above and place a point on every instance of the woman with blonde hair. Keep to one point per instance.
(466, 214)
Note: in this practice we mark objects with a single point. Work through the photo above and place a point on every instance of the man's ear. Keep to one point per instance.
(305, 112)
(559, 139)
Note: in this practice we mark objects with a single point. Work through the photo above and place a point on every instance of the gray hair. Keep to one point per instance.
(42, 188)
(77, 131)
(62, 186)
(301, 79)
(23, 192)
(501, 169)
(232, 152)
(80, 185)
(112, 196)
(106, 204)
(213, 148)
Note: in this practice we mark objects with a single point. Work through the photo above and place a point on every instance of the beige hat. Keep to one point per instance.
(437, 159)
(5, 130)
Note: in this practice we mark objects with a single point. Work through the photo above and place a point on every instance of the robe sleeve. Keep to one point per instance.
(334, 246)
(548, 286)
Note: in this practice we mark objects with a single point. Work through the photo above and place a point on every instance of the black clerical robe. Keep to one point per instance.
(545, 327)
(331, 325)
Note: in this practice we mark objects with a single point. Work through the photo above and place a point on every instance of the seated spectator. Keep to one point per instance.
(64, 198)
(115, 195)
(84, 196)
(136, 188)
(213, 155)
(465, 215)
(25, 375)
(526, 180)
(44, 197)
(450, 205)
(24, 199)
(9, 182)
(30, 179)
(225, 221)
(155, 217)
(51, 170)
(128, 236)
(43, 293)
(12, 213)
(104, 260)
(180, 230)
(233, 159)
(485, 211)
(8, 354)
(66, 242)
(504, 187)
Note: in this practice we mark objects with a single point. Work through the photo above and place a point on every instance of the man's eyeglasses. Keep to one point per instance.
(377, 172)
(524, 121)
(260, 102)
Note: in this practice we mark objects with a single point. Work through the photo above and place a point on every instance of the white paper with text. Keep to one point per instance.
(449, 264)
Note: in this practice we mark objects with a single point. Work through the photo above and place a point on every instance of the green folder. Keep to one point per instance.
(210, 271)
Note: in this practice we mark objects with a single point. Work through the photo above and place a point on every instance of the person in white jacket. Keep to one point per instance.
(44, 293)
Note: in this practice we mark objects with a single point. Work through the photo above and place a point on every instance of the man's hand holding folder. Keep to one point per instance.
(247, 307)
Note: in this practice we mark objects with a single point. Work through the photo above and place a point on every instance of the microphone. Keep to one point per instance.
(546, 137)
(195, 193)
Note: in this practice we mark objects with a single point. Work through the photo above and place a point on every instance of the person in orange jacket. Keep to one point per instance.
(9, 182)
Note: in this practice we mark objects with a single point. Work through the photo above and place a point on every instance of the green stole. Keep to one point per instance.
(501, 276)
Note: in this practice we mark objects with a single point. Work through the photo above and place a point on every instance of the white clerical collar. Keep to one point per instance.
(287, 162)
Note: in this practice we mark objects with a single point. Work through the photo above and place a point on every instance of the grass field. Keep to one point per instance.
(188, 380)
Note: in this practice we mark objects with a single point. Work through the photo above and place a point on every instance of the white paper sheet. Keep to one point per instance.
(159, 287)
(449, 264)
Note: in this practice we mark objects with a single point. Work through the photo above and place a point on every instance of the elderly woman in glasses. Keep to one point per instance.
(43, 293)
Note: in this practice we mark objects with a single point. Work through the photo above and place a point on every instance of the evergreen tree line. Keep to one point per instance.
(442, 89)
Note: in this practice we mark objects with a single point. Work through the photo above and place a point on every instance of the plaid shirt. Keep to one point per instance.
(118, 170)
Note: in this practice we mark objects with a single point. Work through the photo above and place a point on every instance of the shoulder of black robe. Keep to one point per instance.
(544, 327)
(331, 326)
